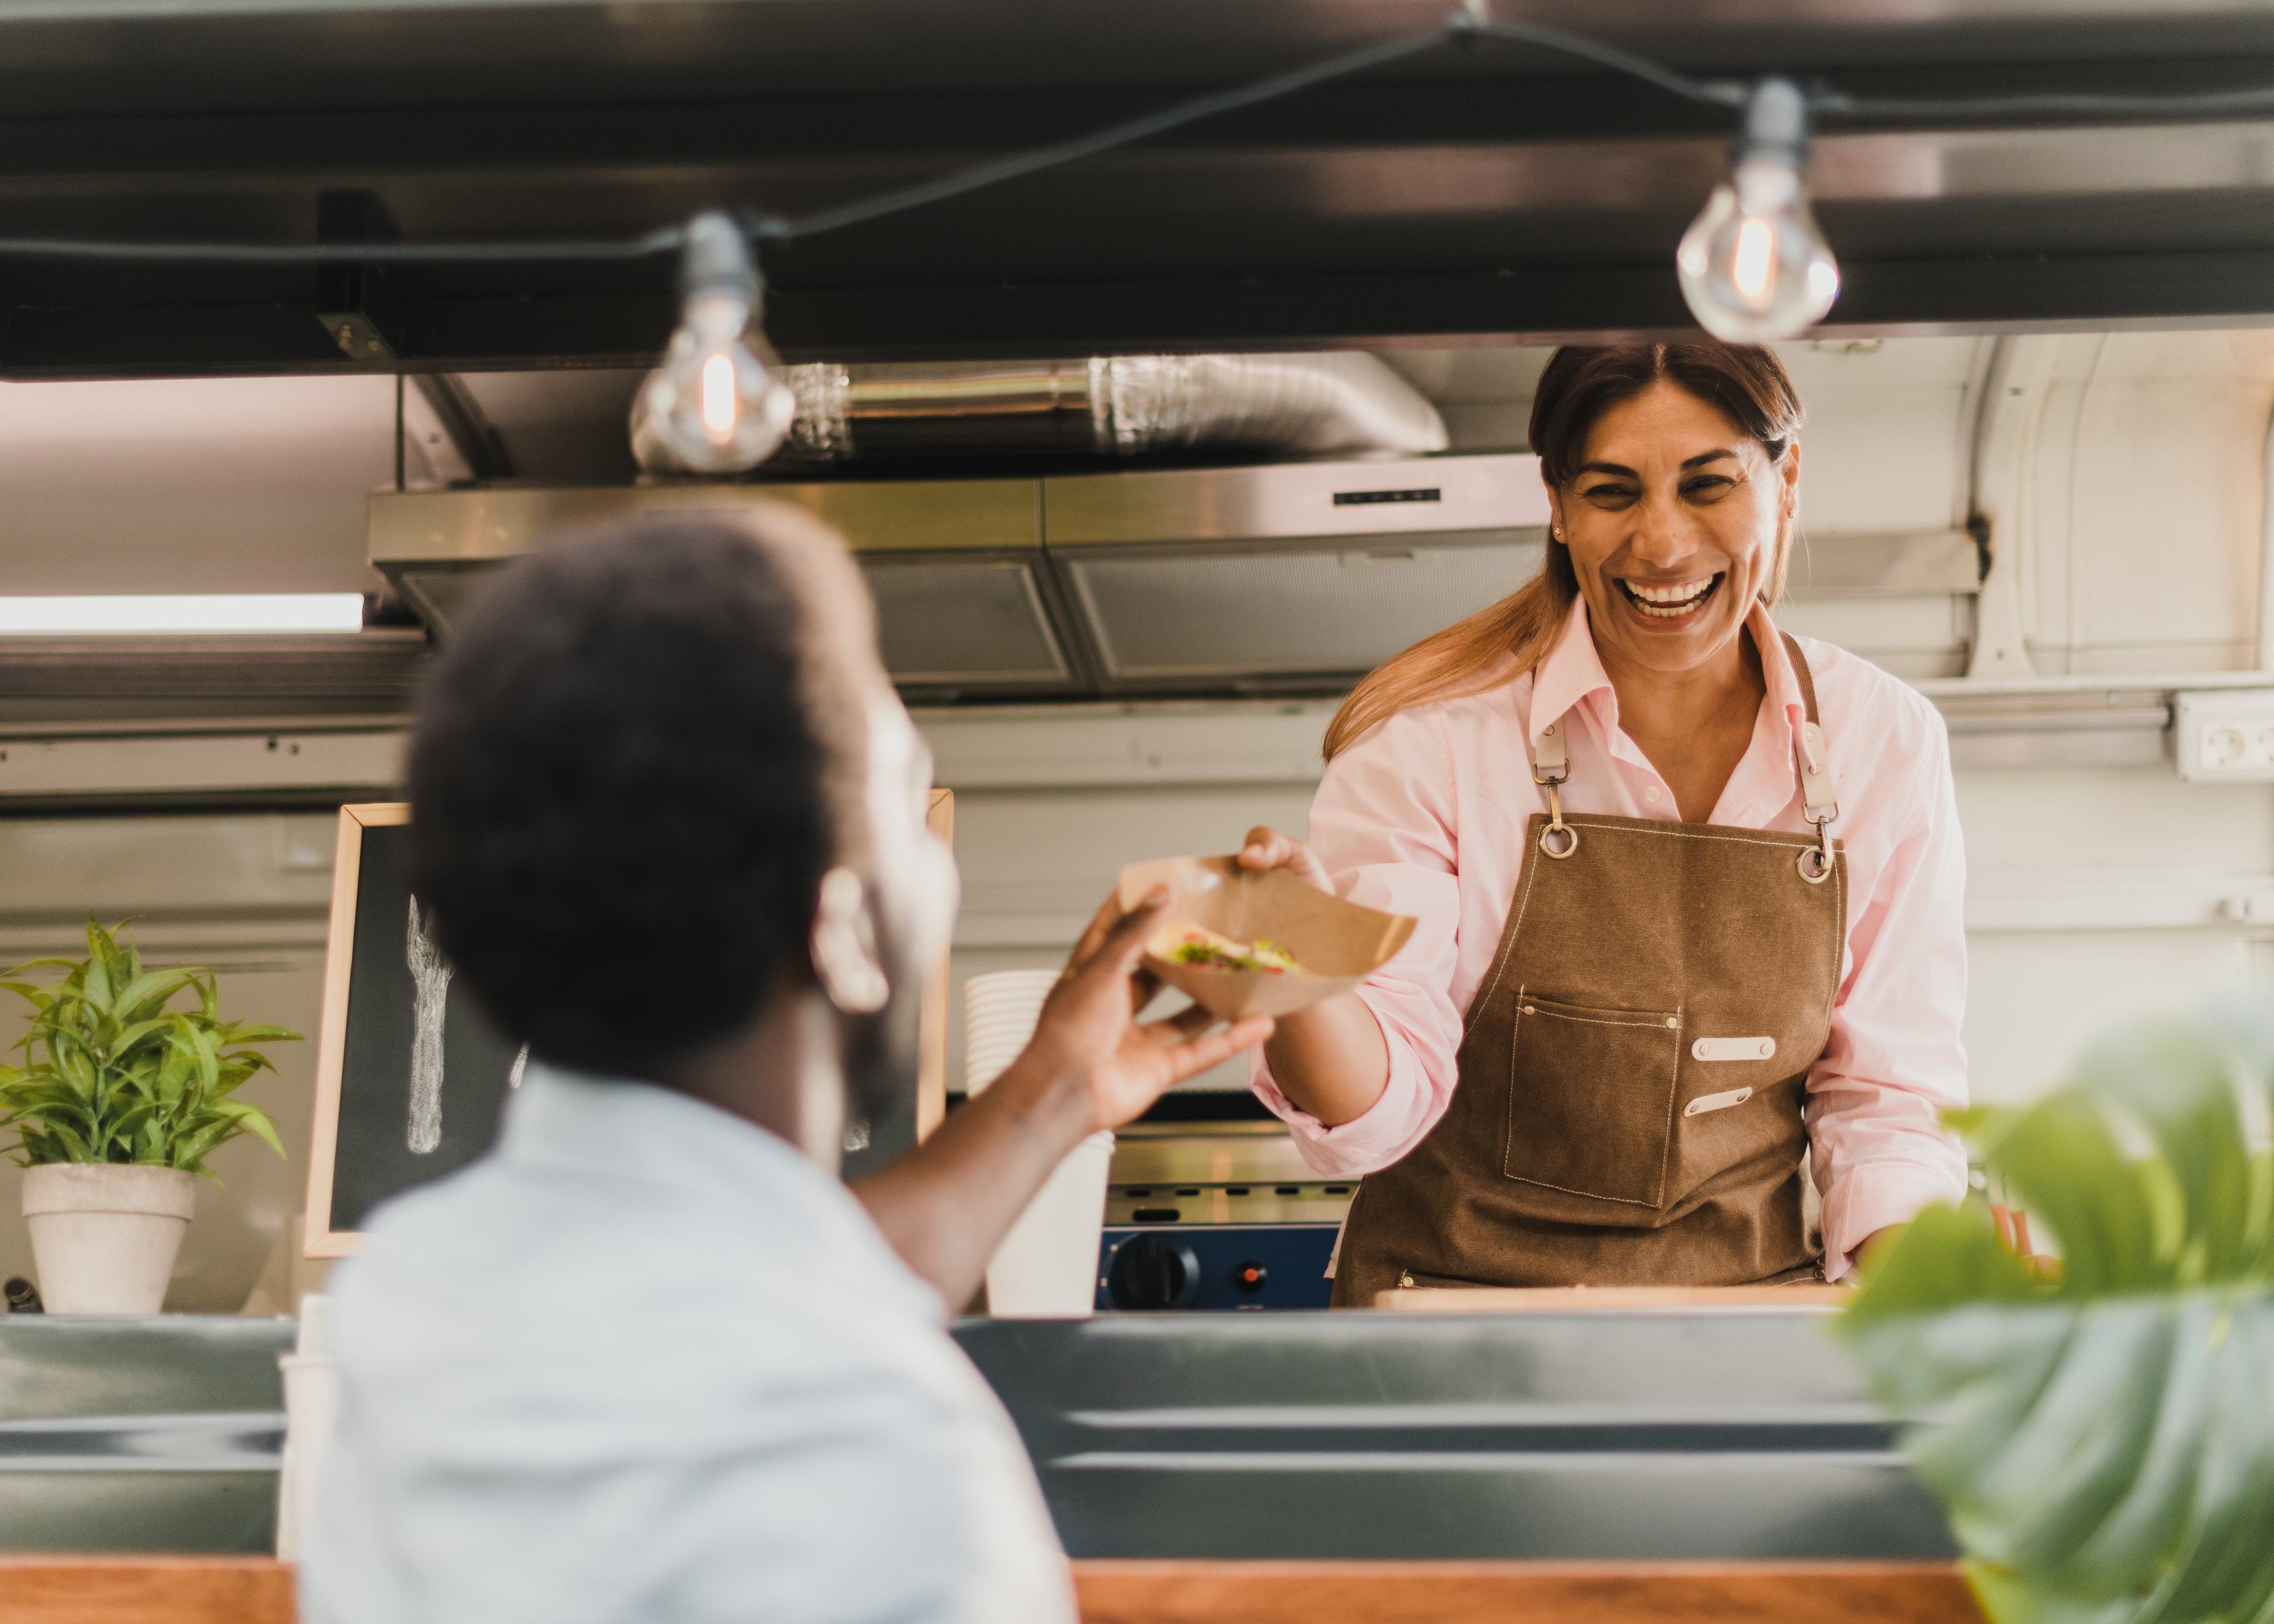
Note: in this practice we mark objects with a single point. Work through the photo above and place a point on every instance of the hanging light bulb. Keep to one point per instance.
(1754, 266)
(715, 404)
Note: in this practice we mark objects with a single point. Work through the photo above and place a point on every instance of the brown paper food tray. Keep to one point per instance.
(1338, 943)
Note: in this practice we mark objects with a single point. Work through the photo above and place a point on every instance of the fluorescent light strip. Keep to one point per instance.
(181, 614)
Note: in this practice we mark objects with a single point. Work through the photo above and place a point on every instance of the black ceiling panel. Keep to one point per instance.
(1475, 191)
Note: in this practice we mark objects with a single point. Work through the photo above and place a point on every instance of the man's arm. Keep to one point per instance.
(947, 1204)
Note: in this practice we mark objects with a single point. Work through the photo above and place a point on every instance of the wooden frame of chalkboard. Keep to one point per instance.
(367, 1056)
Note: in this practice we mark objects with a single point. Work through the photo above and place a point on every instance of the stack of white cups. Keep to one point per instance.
(1047, 1265)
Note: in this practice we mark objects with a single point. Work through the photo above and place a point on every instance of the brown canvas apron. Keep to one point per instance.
(1633, 1070)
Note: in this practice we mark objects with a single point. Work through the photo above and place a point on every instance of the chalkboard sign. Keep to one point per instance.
(411, 1078)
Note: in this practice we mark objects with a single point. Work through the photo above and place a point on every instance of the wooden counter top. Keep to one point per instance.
(187, 1590)
(1606, 1299)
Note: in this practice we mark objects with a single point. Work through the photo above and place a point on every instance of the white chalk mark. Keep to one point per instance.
(520, 1065)
(430, 983)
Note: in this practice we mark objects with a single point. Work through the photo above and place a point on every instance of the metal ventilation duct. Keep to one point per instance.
(1130, 406)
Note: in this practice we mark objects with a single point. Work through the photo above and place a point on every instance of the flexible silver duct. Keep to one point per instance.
(1306, 405)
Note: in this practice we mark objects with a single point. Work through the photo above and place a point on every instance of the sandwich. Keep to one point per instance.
(1196, 944)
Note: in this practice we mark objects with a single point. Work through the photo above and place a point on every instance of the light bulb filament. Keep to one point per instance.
(1752, 267)
(720, 406)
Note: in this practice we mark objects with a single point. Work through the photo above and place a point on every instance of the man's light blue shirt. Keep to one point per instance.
(646, 1365)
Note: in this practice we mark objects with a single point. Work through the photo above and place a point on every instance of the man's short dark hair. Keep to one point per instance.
(632, 767)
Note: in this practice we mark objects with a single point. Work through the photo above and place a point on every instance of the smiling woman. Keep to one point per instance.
(1649, 991)
(1745, 390)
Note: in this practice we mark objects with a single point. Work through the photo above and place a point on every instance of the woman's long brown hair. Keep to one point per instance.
(1745, 384)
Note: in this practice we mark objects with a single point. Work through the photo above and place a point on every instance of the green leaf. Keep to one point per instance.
(72, 1146)
(252, 1119)
(190, 1151)
(67, 965)
(244, 1034)
(96, 981)
(209, 1060)
(144, 995)
(2104, 1440)
(133, 1037)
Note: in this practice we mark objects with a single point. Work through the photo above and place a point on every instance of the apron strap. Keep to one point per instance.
(1820, 791)
(1801, 672)
(1551, 764)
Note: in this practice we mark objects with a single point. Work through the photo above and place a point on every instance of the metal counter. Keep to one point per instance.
(1736, 1433)
(157, 1434)
(1740, 1433)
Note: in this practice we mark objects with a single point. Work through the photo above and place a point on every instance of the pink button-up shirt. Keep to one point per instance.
(1426, 815)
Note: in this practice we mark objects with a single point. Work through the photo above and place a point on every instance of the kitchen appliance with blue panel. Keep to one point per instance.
(1215, 1216)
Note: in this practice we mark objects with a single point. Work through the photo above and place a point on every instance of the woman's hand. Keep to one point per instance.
(1866, 1252)
(1090, 1046)
(1267, 848)
(1330, 1059)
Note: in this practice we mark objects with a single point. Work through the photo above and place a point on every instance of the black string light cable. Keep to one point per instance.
(1128, 133)
(647, 246)
(1752, 266)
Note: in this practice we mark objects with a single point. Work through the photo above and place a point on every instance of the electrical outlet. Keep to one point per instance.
(2226, 736)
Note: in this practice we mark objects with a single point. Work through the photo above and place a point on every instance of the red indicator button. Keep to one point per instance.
(1251, 1277)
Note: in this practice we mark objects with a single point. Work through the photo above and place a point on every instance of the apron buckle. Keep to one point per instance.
(1559, 839)
(1816, 861)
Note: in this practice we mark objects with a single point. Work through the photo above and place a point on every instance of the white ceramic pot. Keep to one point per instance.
(104, 1237)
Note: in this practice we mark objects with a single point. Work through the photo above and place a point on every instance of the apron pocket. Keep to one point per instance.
(1590, 1099)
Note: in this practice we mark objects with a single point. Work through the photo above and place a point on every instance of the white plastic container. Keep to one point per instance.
(311, 1416)
(1047, 1265)
(104, 1237)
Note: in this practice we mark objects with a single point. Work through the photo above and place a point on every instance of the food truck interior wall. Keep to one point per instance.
(2096, 890)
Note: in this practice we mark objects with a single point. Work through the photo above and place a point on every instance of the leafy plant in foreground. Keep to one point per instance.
(2104, 1436)
(112, 1075)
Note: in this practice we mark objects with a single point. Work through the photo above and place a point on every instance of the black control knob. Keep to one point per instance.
(1250, 1276)
(1153, 1271)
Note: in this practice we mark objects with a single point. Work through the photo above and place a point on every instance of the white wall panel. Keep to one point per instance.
(2037, 998)
(1885, 448)
(2147, 499)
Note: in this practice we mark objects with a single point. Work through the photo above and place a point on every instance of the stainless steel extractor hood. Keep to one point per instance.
(1300, 573)
(956, 566)
(1290, 577)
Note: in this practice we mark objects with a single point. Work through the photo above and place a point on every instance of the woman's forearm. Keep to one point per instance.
(1330, 1059)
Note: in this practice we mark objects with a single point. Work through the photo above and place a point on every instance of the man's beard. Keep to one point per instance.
(882, 1054)
(880, 1062)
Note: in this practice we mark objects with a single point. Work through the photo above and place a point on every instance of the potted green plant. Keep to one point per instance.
(2102, 1433)
(121, 1099)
